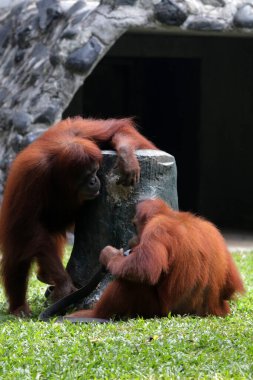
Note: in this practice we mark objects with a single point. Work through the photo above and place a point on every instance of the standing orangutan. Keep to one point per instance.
(47, 183)
(179, 263)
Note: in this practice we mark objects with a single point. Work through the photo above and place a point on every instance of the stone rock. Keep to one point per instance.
(244, 17)
(168, 12)
(76, 7)
(108, 219)
(54, 59)
(5, 35)
(19, 56)
(23, 36)
(16, 11)
(80, 16)
(4, 92)
(16, 143)
(48, 10)
(81, 60)
(3, 168)
(21, 121)
(124, 2)
(6, 164)
(39, 52)
(214, 3)
(69, 33)
(5, 119)
(30, 137)
(205, 24)
(47, 116)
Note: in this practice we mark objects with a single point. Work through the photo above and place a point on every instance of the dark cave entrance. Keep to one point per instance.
(192, 96)
(163, 95)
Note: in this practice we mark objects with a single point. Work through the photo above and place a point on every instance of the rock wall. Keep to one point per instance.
(47, 51)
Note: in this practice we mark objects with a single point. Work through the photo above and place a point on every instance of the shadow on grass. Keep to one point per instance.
(4, 316)
(37, 305)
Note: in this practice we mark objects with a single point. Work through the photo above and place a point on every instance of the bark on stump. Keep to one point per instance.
(107, 220)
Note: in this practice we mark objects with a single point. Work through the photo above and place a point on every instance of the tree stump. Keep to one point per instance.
(107, 220)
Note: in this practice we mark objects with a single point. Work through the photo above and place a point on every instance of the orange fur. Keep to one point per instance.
(43, 194)
(180, 265)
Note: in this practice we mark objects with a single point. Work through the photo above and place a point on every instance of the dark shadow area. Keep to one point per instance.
(193, 96)
(164, 96)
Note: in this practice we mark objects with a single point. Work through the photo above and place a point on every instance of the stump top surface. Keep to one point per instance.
(143, 153)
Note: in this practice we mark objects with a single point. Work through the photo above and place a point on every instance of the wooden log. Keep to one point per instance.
(107, 220)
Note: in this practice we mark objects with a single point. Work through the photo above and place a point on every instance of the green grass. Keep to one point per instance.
(167, 348)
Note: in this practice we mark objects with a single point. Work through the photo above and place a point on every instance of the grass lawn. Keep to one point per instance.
(167, 348)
